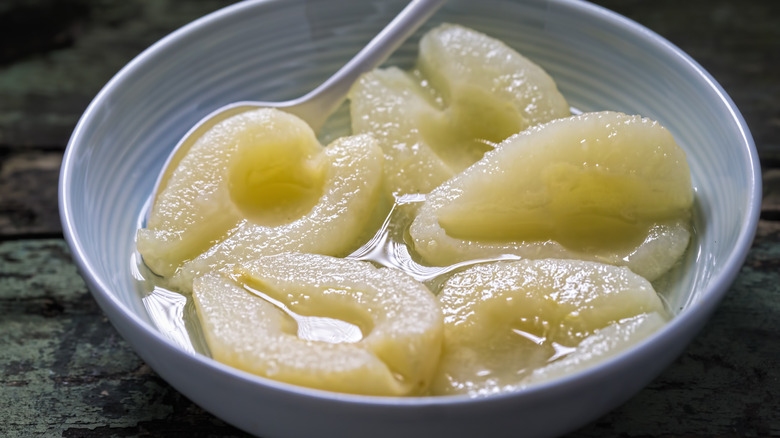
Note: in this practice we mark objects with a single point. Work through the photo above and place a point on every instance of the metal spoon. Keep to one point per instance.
(316, 106)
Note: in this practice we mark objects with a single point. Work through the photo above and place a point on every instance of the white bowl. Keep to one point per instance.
(275, 50)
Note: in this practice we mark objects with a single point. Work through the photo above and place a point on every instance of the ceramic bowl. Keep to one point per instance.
(277, 50)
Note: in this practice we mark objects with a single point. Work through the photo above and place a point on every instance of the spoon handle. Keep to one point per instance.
(320, 103)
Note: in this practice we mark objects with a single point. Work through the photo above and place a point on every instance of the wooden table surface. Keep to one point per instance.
(64, 371)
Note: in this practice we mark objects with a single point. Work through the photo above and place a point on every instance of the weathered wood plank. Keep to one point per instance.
(64, 371)
(55, 55)
(770, 208)
(28, 193)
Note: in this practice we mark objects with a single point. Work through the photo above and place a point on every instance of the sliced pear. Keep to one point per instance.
(600, 346)
(502, 320)
(468, 93)
(603, 186)
(260, 183)
(399, 318)
(389, 104)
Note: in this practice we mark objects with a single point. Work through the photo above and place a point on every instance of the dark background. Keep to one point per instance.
(64, 371)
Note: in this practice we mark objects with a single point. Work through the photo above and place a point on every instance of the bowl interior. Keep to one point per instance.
(276, 50)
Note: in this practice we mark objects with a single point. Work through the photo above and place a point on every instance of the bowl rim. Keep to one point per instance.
(695, 315)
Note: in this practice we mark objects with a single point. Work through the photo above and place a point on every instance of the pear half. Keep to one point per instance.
(468, 92)
(600, 346)
(260, 183)
(606, 187)
(247, 323)
(503, 320)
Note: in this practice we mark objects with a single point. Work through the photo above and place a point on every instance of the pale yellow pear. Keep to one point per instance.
(260, 183)
(467, 93)
(605, 186)
(271, 315)
(601, 345)
(503, 320)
